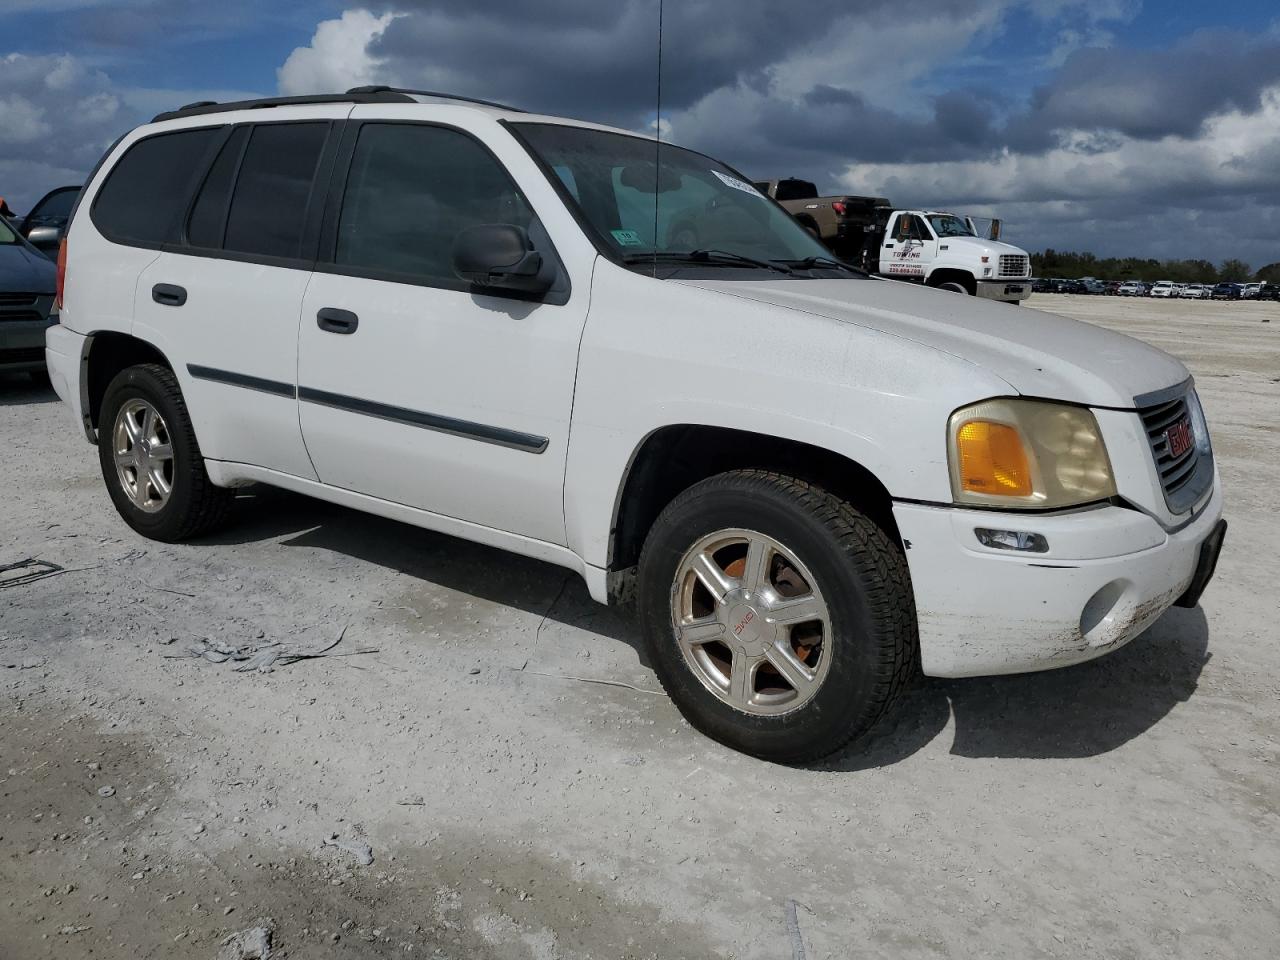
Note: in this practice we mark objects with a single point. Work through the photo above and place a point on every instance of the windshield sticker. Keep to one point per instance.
(627, 238)
(737, 184)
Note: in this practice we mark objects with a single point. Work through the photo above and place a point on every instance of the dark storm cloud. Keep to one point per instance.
(598, 60)
(1150, 94)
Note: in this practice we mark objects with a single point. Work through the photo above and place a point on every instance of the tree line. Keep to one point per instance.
(1072, 266)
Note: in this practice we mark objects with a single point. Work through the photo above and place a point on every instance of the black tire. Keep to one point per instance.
(860, 570)
(195, 505)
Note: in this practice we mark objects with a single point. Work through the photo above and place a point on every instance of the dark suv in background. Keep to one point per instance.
(27, 283)
(44, 225)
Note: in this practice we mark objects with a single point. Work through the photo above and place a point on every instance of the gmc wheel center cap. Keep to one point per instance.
(748, 626)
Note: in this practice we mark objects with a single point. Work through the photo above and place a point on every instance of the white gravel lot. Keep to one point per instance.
(1124, 808)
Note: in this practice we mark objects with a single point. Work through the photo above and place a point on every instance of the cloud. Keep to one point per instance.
(56, 118)
(338, 56)
(1172, 197)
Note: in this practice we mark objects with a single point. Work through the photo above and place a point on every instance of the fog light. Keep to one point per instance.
(1012, 540)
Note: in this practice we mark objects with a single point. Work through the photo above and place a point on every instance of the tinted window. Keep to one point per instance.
(146, 192)
(272, 192)
(56, 206)
(209, 215)
(796, 190)
(411, 190)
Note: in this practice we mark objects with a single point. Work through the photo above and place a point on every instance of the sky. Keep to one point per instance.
(1124, 127)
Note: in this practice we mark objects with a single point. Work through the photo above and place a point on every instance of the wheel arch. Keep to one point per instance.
(103, 356)
(952, 274)
(673, 458)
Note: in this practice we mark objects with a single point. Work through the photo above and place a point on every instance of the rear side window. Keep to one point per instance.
(272, 193)
(209, 214)
(146, 192)
(411, 190)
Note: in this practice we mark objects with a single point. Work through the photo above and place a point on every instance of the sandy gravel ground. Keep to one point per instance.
(151, 806)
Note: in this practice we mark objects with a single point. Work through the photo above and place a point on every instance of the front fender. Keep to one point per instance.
(658, 353)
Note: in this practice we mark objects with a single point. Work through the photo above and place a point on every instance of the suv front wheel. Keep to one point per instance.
(778, 618)
(150, 459)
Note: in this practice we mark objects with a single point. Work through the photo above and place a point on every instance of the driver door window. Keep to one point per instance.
(412, 189)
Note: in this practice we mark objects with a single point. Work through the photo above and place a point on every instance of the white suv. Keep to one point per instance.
(617, 356)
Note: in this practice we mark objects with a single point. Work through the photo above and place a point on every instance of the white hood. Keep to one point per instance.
(1038, 354)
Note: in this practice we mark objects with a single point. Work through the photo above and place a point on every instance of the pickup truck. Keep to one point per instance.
(931, 247)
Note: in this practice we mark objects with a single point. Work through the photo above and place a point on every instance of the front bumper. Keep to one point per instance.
(22, 343)
(1109, 574)
(1007, 291)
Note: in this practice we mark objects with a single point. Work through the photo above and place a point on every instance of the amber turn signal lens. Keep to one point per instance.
(993, 459)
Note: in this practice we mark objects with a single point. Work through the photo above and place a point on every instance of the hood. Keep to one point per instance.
(1038, 354)
(995, 248)
(23, 270)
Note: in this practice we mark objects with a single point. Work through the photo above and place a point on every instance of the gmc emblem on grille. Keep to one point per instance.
(1179, 438)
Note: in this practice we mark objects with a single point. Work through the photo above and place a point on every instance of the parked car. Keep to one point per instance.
(1041, 285)
(1196, 291)
(44, 225)
(1164, 289)
(1092, 285)
(1226, 291)
(1112, 287)
(498, 344)
(27, 284)
(1132, 288)
(1269, 291)
(1250, 291)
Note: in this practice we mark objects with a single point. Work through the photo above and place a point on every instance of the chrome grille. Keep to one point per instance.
(1184, 476)
(1014, 265)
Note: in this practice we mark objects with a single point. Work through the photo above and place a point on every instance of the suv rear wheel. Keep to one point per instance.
(778, 618)
(150, 459)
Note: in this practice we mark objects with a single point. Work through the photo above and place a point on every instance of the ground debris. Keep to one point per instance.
(357, 848)
(255, 657)
(793, 931)
(27, 571)
(252, 943)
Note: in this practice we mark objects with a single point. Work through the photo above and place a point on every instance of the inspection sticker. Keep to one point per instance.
(627, 238)
(737, 184)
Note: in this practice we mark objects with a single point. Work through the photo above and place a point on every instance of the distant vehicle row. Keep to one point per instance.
(1166, 289)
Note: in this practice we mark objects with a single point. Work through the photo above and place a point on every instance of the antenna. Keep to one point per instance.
(657, 148)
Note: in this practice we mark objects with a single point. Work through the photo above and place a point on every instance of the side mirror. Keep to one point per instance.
(44, 238)
(500, 256)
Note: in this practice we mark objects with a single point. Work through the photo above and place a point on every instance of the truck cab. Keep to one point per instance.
(942, 250)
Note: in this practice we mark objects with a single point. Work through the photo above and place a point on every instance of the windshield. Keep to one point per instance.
(638, 209)
(948, 225)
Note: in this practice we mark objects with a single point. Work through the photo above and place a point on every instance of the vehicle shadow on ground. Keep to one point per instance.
(1081, 711)
(535, 587)
(18, 389)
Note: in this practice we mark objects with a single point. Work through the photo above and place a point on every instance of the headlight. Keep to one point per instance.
(1028, 454)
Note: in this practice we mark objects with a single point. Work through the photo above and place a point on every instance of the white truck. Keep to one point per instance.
(945, 251)
(937, 249)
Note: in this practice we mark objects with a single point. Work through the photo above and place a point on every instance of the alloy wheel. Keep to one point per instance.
(751, 622)
(143, 452)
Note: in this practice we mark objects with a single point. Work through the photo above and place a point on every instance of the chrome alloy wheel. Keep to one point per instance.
(751, 622)
(144, 455)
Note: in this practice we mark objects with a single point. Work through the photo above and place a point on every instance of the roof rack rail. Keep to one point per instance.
(378, 88)
(359, 95)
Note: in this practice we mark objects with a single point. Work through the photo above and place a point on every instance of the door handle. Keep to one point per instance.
(169, 295)
(332, 320)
